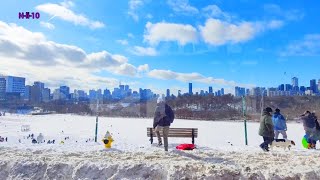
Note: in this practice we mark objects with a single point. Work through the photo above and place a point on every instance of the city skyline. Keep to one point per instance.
(161, 45)
(9, 84)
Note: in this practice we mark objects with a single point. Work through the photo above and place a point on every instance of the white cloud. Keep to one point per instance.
(133, 6)
(308, 46)
(290, 15)
(130, 35)
(149, 16)
(143, 68)
(274, 24)
(144, 51)
(215, 12)
(62, 12)
(122, 42)
(192, 77)
(47, 25)
(67, 4)
(182, 6)
(183, 34)
(217, 32)
(30, 54)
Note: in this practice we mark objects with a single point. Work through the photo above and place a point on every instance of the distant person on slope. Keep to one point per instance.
(163, 117)
(279, 123)
(40, 138)
(266, 129)
(309, 125)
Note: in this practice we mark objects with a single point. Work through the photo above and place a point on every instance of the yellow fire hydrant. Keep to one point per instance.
(107, 140)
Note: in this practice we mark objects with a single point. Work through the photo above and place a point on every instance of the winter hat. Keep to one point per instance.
(160, 100)
(268, 109)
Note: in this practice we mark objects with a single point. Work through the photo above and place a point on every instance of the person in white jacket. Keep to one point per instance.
(40, 138)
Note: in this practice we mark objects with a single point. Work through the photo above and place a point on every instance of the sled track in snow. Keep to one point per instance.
(198, 164)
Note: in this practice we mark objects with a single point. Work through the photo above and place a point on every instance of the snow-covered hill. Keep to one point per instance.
(221, 153)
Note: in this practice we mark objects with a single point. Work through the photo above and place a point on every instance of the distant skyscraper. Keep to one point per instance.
(46, 95)
(121, 87)
(190, 88)
(106, 93)
(40, 88)
(222, 91)
(2, 88)
(202, 92)
(281, 87)
(39, 84)
(15, 84)
(35, 94)
(93, 94)
(168, 92)
(313, 86)
(288, 87)
(239, 91)
(99, 94)
(27, 93)
(318, 85)
(295, 81)
(65, 90)
(210, 90)
(302, 89)
(126, 87)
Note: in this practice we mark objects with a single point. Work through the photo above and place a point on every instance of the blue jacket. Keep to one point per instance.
(279, 122)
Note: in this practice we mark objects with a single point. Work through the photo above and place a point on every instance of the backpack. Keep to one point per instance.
(170, 113)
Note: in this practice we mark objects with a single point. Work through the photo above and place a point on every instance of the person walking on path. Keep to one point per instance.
(163, 117)
(266, 129)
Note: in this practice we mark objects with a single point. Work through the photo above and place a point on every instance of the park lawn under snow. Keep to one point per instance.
(220, 152)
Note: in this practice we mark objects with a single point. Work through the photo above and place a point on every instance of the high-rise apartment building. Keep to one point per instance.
(190, 88)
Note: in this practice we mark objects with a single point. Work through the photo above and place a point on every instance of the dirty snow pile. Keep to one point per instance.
(220, 152)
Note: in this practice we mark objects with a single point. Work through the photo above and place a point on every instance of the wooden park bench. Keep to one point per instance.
(175, 132)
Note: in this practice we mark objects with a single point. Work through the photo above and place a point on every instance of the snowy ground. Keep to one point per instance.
(132, 156)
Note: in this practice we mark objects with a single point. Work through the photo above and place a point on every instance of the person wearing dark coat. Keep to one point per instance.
(163, 117)
(266, 129)
(309, 126)
(315, 135)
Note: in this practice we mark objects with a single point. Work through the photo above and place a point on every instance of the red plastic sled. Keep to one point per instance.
(186, 147)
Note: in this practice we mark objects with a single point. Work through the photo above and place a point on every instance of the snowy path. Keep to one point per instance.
(198, 164)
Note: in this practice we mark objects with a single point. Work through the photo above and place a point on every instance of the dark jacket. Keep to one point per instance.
(316, 121)
(308, 121)
(160, 120)
(266, 125)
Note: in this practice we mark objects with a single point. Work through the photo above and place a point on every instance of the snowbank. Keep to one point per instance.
(198, 164)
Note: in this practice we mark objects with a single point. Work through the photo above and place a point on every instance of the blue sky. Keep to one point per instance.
(161, 44)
